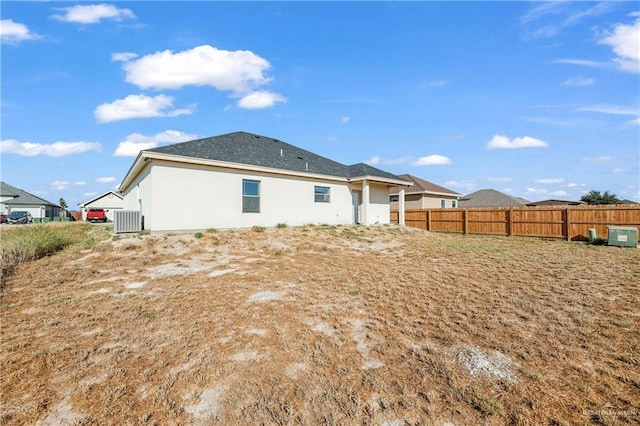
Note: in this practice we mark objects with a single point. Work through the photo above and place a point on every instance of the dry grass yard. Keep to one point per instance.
(323, 325)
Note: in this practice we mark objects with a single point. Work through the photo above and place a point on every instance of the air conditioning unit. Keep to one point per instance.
(623, 236)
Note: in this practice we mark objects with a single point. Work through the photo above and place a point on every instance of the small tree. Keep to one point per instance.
(63, 206)
(595, 197)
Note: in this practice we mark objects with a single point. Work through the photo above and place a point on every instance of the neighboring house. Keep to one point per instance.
(423, 195)
(240, 180)
(109, 201)
(553, 202)
(625, 201)
(14, 199)
(490, 198)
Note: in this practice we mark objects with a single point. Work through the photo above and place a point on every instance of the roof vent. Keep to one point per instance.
(281, 152)
(299, 158)
(306, 166)
(256, 136)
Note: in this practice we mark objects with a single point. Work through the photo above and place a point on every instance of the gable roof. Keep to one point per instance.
(100, 196)
(421, 186)
(490, 198)
(21, 198)
(255, 152)
(555, 202)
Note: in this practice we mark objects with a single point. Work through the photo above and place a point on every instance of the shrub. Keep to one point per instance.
(257, 228)
(199, 235)
(281, 225)
(212, 230)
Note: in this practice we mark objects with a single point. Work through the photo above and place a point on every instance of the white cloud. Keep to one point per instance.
(610, 109)
(80, 183)
(345, 119)
(136, 142)
(550, 181)
(432, 160)
(579, 81)
(14, 32)
(559, 193)
(56, 149)
(503, 142)
(583, 62)
(93, 13)
(537, 191)
(603, 159)
(106, 179)
(437, 83)
(620, 170)
(375, 160)
(60, 185)
(123, 56)
(138, 106)
(260, 99)
(90, 194)
(239, 71)
(576, 185)
(467, 185)
(625, 42)
(634, 122)
(499, 179)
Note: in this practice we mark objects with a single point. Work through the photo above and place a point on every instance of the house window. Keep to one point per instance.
(454, 203)
(321, 194)
(394, 198)
(443, 204)
(250, 196)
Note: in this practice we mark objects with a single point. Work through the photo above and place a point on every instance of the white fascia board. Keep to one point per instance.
(391, 182)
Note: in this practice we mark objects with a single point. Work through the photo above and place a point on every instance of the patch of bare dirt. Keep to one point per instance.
(333, 325)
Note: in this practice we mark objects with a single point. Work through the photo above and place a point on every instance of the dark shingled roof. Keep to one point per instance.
(21, 198)
(263, 151)
(420, 186)
(490, 198)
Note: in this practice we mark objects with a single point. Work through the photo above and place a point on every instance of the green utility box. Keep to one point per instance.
(623, 236)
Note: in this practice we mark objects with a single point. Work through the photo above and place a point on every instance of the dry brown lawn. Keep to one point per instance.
(323, 325)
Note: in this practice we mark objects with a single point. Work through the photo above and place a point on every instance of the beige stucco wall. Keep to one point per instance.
(425, 202)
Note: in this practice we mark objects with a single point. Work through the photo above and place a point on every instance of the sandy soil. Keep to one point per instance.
(324, 325)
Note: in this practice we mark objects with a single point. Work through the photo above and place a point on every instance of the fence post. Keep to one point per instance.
(567, 223)
(465, 222)
(510, 222)
(428, 220)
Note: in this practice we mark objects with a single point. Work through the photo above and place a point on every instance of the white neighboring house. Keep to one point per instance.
(15, 199)
(240, 180)
(109, 201)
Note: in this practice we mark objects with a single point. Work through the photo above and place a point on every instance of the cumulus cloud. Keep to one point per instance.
(92, 13)
(345, 119)
(625, 42)
(579, 81)
(136, 142)
(537, 191)
(80, 183)
(60, 185)
(466, 185)
(432, 160)
(559, 193)
(56, 149)
(239, 71)
(503, 142)
(375, 160)
(138, 106)
(549, 181)
(105, 179)
(260, 99)
(14, 32)
(123, 56)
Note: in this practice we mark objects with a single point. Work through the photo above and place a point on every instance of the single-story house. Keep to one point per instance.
(490, 198)
(240, 180)
(109, 201)
(15, 199)
(423, 195)
(555, 202)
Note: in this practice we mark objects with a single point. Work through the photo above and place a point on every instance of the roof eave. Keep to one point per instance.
(380, 179)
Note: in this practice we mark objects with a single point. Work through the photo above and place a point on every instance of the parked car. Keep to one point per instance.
(96, 215)
(20, 217)
(3, 218)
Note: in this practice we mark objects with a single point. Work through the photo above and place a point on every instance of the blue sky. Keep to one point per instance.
(536, 99)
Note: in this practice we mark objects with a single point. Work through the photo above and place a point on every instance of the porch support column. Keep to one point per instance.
(365, 203)
(401, 207)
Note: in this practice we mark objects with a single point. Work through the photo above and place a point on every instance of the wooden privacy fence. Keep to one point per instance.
(570, 223)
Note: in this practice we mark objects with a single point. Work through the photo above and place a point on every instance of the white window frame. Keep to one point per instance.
(246, 197)
(322, 197)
